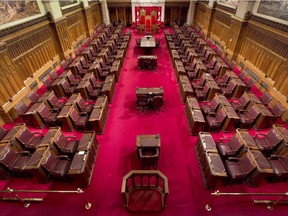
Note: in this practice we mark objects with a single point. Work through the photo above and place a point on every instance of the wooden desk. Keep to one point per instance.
(32, 117)
(192, 103)
(185, 90)
(109, 86)
(184, 79)
(205, 143)
(148, 43)
(34, 167)
(64, 118)
(264, 119)
(231, 120)
(282, 148)
(57, 87)
(147, 62)
(15, 131)
(213, 89)
(82, 89)
(246, 139)
(239, 89)
(93, 69)
(213, 170)
(222, 100)
(147, 141)
(263, 168)
(99, 115)
(252, 98)
(150, 91)
(81, 168)
(195, 120)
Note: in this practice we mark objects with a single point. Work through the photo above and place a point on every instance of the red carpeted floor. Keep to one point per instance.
(117, 156)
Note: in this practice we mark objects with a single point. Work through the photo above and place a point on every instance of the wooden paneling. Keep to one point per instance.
(258, 45)
(28, 50)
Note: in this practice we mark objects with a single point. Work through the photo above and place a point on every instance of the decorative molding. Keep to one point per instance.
(22, 26)
(226, 9)
(71, 9)
(177, 4)
(270, 23)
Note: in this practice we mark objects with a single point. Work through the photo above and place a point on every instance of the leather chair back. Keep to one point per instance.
(278, 110)
(235, 143)
(50, 162)
(47, 82)
(214, 103)
(32, 96)
(3, 132)
(157, 102)
(21, 108)
(25, 137)
(247, 164)
(266, 98)
(8, 157)
(253, 112)
(273, 138)
(53, 75)
(221, 115)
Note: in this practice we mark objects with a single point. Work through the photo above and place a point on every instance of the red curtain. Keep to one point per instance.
(154, 12)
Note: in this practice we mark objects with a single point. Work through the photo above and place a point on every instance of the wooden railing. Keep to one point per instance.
(144, 180)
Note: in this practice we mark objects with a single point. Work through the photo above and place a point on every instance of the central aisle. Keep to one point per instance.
(117, 153)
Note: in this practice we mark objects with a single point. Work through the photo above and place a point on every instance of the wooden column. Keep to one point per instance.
(60, 28)
(236, 32)
(10, 83)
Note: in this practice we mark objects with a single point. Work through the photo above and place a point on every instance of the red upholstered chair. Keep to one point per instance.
(13, 161)
(93, 93)
(278, 110)
(47, 82)
(229, 147)
(240, 104)
(53, 75)
(55, 103)
(79, 119)
(21, 108)
(30, 140)
(68, 89)
(238, 168)
(32, 97)
(85, 107)
(102, 73)
(228, 91)
(223, 81)
(210, 106)
(267, 142)
(73, 80)
(280, 167)
(49, 116)
(66, 144)
(157, 102)
(266, 99)
(248, 117)
(243, 75)
(56, 166)
(201, 93)
(215, 120)
(215, 72)
(198, 83)
(249, 84)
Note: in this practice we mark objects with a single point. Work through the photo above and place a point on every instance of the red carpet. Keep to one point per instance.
(117, 156)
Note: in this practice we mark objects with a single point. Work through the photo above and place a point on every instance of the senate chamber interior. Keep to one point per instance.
(143, 107)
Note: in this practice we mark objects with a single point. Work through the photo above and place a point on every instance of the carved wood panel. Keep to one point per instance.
(76, 25)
